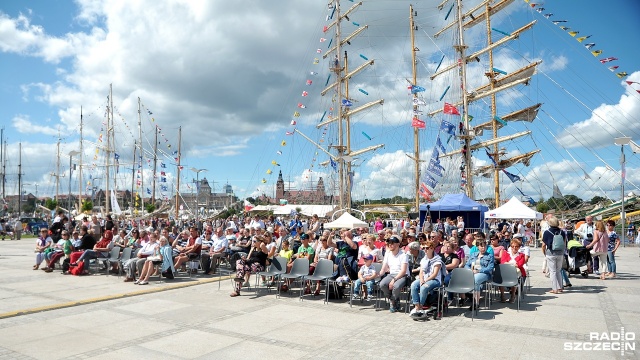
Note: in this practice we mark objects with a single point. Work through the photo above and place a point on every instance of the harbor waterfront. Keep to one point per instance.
(53, 316)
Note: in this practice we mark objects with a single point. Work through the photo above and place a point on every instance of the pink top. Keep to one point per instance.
(600, 240)
(378, 226)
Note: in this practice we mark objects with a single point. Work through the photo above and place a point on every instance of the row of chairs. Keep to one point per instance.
(461, 282)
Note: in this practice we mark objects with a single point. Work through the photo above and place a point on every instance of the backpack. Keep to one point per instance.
(78, 269)
(557, 244)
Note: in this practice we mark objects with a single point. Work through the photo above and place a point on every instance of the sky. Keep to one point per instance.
(232, 80)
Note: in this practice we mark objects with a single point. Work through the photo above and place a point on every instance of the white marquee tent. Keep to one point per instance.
(513, 209)
(346, 221)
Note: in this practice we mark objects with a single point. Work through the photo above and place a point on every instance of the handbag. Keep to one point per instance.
(154, 258)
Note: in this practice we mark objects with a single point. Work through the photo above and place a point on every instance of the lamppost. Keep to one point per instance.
(72, 153)
(197, 171)
(622, 141)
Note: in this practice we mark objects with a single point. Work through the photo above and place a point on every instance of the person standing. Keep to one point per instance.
(553, 257)
(612, 247)
(599, 245)
(585, 231)
(17, 229)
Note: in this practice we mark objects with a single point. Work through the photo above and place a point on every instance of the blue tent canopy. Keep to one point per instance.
(453, 205)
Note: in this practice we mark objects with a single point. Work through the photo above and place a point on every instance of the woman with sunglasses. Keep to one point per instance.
(253, 263)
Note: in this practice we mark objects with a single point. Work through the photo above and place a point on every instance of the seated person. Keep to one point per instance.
(211, 259)
(450, 258)
(395, 264)
(137, 262)
(323, 251)
(190, 251)
(497, 248)
(86, 240)
(253, 263)
(67, 248)
(514, 257)
(43, 242)
(100, 249)
(366, 276)
(305, 251)
(161, 256)
(286, 252)
(414, 255)
(481, 262)
(430, 277)
(369, 247)
(121, 239)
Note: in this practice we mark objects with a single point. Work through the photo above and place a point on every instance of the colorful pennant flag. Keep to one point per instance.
(417, 123)
(606, 60)
(450, 109)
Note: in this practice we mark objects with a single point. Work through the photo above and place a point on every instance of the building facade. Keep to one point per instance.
(315, 195)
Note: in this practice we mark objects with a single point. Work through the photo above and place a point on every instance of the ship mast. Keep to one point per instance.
(80, 182)
(416, 130)
(498, 81)
(141, 160)
(461, 48)
(108, 150)
(494, 113)
(178, 171)
(345, 111)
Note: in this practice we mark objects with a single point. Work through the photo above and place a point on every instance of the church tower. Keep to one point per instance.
(279, 187)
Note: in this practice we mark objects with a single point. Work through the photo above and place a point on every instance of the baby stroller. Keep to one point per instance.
(579, 256)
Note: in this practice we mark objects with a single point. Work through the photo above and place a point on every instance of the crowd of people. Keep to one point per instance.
(412, 258)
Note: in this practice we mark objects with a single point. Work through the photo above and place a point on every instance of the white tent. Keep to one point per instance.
(346, 221)
(513, 209)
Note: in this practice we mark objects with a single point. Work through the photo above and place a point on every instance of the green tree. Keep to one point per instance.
(51, 204)
(597, 199)
(542, 207)
(150, 208)
(87, 205)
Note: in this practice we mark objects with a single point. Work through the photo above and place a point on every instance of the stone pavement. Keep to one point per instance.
(67, 317)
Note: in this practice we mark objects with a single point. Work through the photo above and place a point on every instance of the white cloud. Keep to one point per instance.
(607, 121)
(24, 125)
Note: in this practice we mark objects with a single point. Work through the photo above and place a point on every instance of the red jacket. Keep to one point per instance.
(506, 258)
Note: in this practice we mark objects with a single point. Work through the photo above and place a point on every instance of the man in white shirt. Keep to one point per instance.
(211, 259)
(17, 229)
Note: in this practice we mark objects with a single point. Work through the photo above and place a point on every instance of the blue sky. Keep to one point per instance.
(232, 79)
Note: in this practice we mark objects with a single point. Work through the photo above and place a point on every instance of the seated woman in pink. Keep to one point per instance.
(369, 247)
(513, 256)
(497, 249)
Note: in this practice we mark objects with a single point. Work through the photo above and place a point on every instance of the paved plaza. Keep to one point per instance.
(53, 316)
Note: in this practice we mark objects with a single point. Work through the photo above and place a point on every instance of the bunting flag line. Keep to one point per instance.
(609, 59)
(613, 68)
(596, 53)
(589, 45)
(583, 38)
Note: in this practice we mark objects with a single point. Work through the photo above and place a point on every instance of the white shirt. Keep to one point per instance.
(395, 261)
(219, 243)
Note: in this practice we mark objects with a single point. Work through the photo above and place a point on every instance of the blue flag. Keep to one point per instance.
(148, 191)
(334, 165)
(429, 180)
(435, 163)
(416, 89)
(448, 127)
(434, 169)
(162, 165)
(511, 176)
(435, 155)
(164, 188)
(491, 157)
(439, 145)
